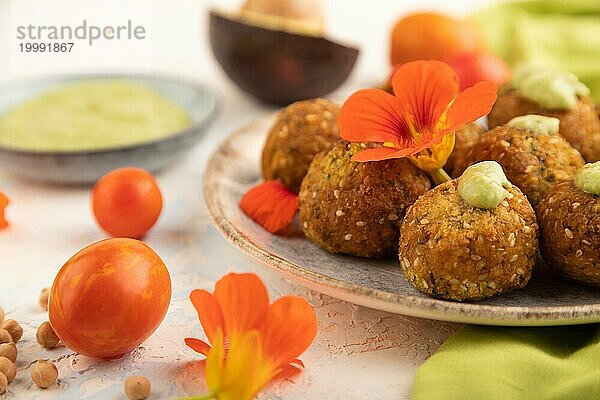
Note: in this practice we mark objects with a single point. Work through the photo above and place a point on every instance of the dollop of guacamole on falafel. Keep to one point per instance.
(588, 178)
(551, 89)
(536, 123)
(483, 185)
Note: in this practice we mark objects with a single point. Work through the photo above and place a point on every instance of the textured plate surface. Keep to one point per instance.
(377, 284)
(77, 167)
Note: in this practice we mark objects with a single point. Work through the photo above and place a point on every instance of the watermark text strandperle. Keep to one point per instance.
(83, 32)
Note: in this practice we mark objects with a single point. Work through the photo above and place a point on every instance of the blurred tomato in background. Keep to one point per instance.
(477, 66)
(432, 36)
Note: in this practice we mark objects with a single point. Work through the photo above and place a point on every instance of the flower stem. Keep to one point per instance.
(438, 176)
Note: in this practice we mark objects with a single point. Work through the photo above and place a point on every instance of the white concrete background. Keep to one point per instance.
(359, 353)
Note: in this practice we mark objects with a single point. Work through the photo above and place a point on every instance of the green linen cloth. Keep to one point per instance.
(561, 34)
(493, 363)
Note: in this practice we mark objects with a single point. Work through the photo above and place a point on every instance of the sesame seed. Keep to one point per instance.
(575, 205)
(586, 242)
(339, 213)
(310, 117)
(512, 239)
(360, 223)
(492, 285)
(347, 236)
(513, 277)
(405, 263)
(392, 217)
(327, 114)
(568, 233)
(510, 195)
(424, 221)
(526, 229)
(578, 253)
(550, 200)
(381, 221)
(505, 203)
(466, 225)
(475, 257)
(363, 145)
(283, 132)
(417, 262)
(520, 271)
(514, 258)
(305, 225)
(504, 143)
(336, 193)
(314, 194)
(425, 285)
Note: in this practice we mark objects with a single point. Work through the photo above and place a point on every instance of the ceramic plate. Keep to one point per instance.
(87, 166)
(377, 284)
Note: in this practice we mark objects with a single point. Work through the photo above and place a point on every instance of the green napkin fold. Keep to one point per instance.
(513, 363)
(561, 34)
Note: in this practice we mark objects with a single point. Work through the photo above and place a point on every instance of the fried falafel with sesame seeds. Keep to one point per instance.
(355, 208)
(300, 131)
(533, 161)
(579, 126)
(452, 250)
(569, 221)
(463, 140)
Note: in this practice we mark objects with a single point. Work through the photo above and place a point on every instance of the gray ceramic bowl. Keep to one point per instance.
(87, 166)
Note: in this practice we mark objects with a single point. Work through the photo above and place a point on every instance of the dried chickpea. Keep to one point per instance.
(13, 328)
(8, 368)
(5, 336)
(8, 350)
(43, 298)
(137, 387)
(3, 383)
(46, 336)
(44, 373)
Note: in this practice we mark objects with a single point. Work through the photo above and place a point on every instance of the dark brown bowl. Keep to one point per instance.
(275, 66)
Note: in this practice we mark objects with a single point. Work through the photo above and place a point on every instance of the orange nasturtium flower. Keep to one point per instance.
(270, 204)
(3, 203)
(419, 120)
(252, 342)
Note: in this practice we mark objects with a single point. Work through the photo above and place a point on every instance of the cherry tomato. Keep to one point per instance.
(126, 202)
(477, 66)
(431, 36)
(109, 297)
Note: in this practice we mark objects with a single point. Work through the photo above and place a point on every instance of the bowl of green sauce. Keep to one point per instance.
(75, 129)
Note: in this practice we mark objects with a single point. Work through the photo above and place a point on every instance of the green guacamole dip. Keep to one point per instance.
(91, 115)
(483, 185)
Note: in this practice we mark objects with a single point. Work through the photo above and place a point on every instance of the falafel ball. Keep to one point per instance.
(301, 130)
(579, 126)
(569, 221)
(533, 161)
(452, 250)
(356, 208)
(463, 140)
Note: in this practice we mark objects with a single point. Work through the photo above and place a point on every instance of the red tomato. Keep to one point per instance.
(432, 36)
(477, 66)
(109, 297)
(126, 202)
